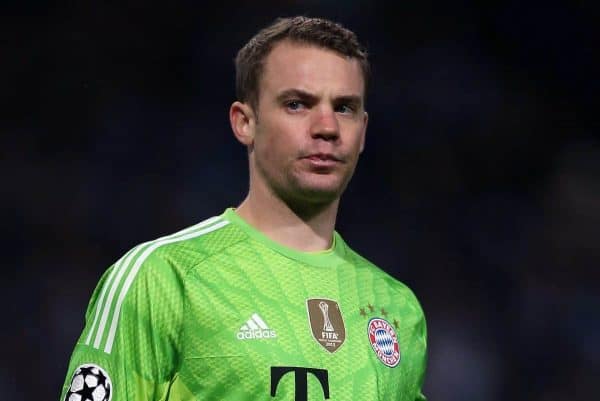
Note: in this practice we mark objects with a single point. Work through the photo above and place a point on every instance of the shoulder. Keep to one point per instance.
(167, 259)
(185, 248)
(146, 283)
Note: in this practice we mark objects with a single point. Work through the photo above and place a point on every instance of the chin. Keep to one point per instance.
(320, 192)
(312, 188)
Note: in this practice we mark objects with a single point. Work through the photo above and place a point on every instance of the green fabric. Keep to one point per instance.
(187, 300)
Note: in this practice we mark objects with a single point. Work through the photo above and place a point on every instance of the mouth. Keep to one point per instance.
(324, 157)
(323, 162)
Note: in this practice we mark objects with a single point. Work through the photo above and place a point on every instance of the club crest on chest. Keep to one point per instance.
(384, 341)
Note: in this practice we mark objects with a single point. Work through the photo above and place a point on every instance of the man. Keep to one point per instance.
(266, 301)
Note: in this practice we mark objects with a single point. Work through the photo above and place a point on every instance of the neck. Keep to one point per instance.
(307, 229)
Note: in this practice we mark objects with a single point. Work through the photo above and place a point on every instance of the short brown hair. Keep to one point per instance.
(249, 61)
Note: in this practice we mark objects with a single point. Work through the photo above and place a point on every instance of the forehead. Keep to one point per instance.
(310, 68)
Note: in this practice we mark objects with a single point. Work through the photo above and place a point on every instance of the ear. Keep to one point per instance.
(364, 131)
(243, 122)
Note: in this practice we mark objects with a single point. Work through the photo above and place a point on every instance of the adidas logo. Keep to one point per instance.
(255, 328)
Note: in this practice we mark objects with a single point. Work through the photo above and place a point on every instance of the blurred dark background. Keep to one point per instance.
(479, 187)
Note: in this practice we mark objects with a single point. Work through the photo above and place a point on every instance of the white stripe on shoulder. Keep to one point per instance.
(138, 264)
(116, 275)
(106, 310)
(105, 287)
(203, 223)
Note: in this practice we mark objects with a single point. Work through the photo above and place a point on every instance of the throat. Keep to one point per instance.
(305, 229)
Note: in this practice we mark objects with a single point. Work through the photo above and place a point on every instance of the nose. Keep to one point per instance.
(325, 125)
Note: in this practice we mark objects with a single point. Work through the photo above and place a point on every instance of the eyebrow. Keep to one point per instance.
(349, 99)
(296, 93)
(311, 98)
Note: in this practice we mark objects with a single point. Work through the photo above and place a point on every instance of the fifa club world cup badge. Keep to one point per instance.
(384, 341)
(326, 323)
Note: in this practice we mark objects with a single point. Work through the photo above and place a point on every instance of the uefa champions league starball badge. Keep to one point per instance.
(384, 340)
(90, 383)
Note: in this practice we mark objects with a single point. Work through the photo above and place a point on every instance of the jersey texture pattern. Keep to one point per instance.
(219, 312)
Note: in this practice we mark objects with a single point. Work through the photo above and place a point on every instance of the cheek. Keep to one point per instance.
(356, 141)
(278, 140)
(270, 152)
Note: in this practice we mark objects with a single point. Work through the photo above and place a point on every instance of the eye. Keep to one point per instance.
(294, 105)
(345, 109)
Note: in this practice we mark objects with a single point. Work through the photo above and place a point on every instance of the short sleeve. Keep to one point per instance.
(131, 341)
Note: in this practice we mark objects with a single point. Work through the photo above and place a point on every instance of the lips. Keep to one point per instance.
(322, 163)
(323, 157)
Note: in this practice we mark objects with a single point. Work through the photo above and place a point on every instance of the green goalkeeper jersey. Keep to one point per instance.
(219, 312)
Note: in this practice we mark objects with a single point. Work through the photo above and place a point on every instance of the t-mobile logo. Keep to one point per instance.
(300, 380)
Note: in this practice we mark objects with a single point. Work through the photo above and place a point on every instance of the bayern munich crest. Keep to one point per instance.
(384, 341)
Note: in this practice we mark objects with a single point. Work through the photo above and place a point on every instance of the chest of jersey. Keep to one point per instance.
(281, 330)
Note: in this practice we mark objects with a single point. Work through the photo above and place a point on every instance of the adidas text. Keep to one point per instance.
(255, 328)
(253, 334)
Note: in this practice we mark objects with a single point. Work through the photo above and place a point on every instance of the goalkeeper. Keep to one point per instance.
(265, 301)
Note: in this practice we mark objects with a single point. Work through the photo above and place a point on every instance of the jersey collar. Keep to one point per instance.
(327, 258)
